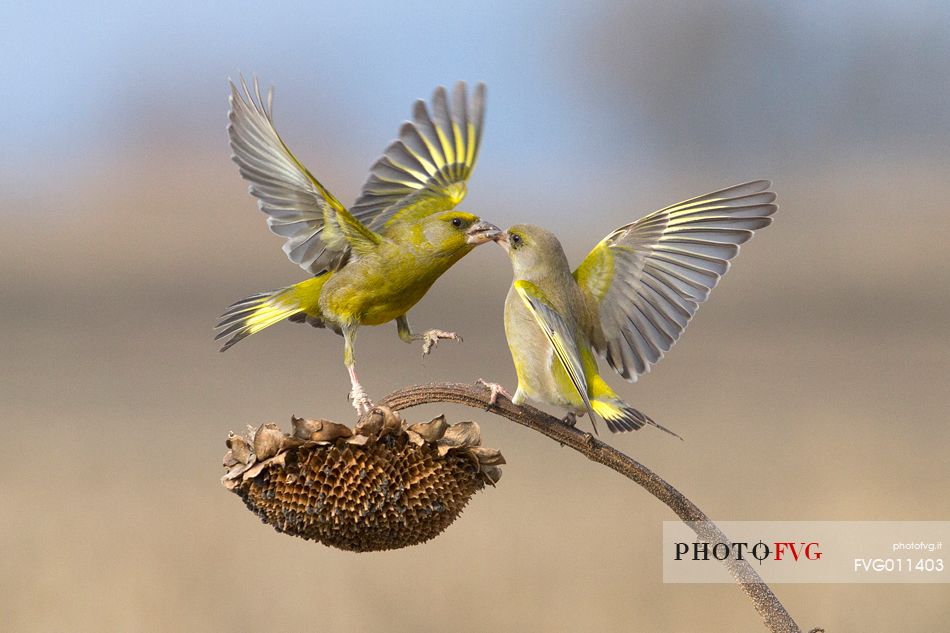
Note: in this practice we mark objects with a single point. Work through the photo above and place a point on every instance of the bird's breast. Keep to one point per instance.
(374, 290)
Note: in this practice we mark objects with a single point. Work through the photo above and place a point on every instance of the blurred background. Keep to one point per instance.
(813, 386)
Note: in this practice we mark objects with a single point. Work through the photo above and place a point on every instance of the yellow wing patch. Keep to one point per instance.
(597, 270)
(341, 229)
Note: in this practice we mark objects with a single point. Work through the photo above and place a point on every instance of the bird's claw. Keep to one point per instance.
(430, 338)
(496, 390)
(360, 401)
(570, 419)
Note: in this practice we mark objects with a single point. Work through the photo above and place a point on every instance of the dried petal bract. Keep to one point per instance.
(330, 432)
(432, 430)
(303, 428)
(267, 441)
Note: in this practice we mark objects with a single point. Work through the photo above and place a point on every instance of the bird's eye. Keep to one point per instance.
(515, 239)
(457, 222)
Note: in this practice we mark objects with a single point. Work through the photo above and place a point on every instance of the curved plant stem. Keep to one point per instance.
(774, 615)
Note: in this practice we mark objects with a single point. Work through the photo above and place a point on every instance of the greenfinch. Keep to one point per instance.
(372, 263)
(629, 300)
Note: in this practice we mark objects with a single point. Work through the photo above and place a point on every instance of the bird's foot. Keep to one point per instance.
(496, 390)
(570, 419)
(430, 338)
(360, 401)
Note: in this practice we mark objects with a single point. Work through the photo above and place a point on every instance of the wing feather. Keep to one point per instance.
(559, 334)
(295, 202)
(316, 226)
(645, 281)
(426, 169)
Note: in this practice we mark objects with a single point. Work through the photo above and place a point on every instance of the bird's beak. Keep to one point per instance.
(482, 232)
(502, 240)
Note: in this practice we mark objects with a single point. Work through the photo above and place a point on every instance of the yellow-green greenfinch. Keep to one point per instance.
(371, 264)
(629, 300)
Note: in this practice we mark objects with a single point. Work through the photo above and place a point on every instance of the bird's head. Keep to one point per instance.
(533, 251)
(452, 232)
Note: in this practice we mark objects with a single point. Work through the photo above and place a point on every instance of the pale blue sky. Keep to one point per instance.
(575, 88)
(80, 74)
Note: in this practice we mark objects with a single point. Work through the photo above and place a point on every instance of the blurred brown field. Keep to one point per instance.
(812, 386)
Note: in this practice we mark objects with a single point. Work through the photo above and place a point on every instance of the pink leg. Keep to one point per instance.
(358, 397)
(495, 389)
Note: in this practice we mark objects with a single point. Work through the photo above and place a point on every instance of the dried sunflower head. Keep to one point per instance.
(383, 485)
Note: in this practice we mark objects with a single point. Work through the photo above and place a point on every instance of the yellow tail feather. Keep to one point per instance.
(252, 314)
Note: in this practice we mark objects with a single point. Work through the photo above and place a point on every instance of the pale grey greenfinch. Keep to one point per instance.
(629, 300)
(373, 262)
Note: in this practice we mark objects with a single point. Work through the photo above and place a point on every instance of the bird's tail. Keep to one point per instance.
(252, 314)
(621, 417)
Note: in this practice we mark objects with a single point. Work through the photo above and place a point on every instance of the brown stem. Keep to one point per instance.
(774, 615)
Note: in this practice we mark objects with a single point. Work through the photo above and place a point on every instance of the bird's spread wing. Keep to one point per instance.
(645, 280)
(560, 335)
(299, 208)
(424, 171)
